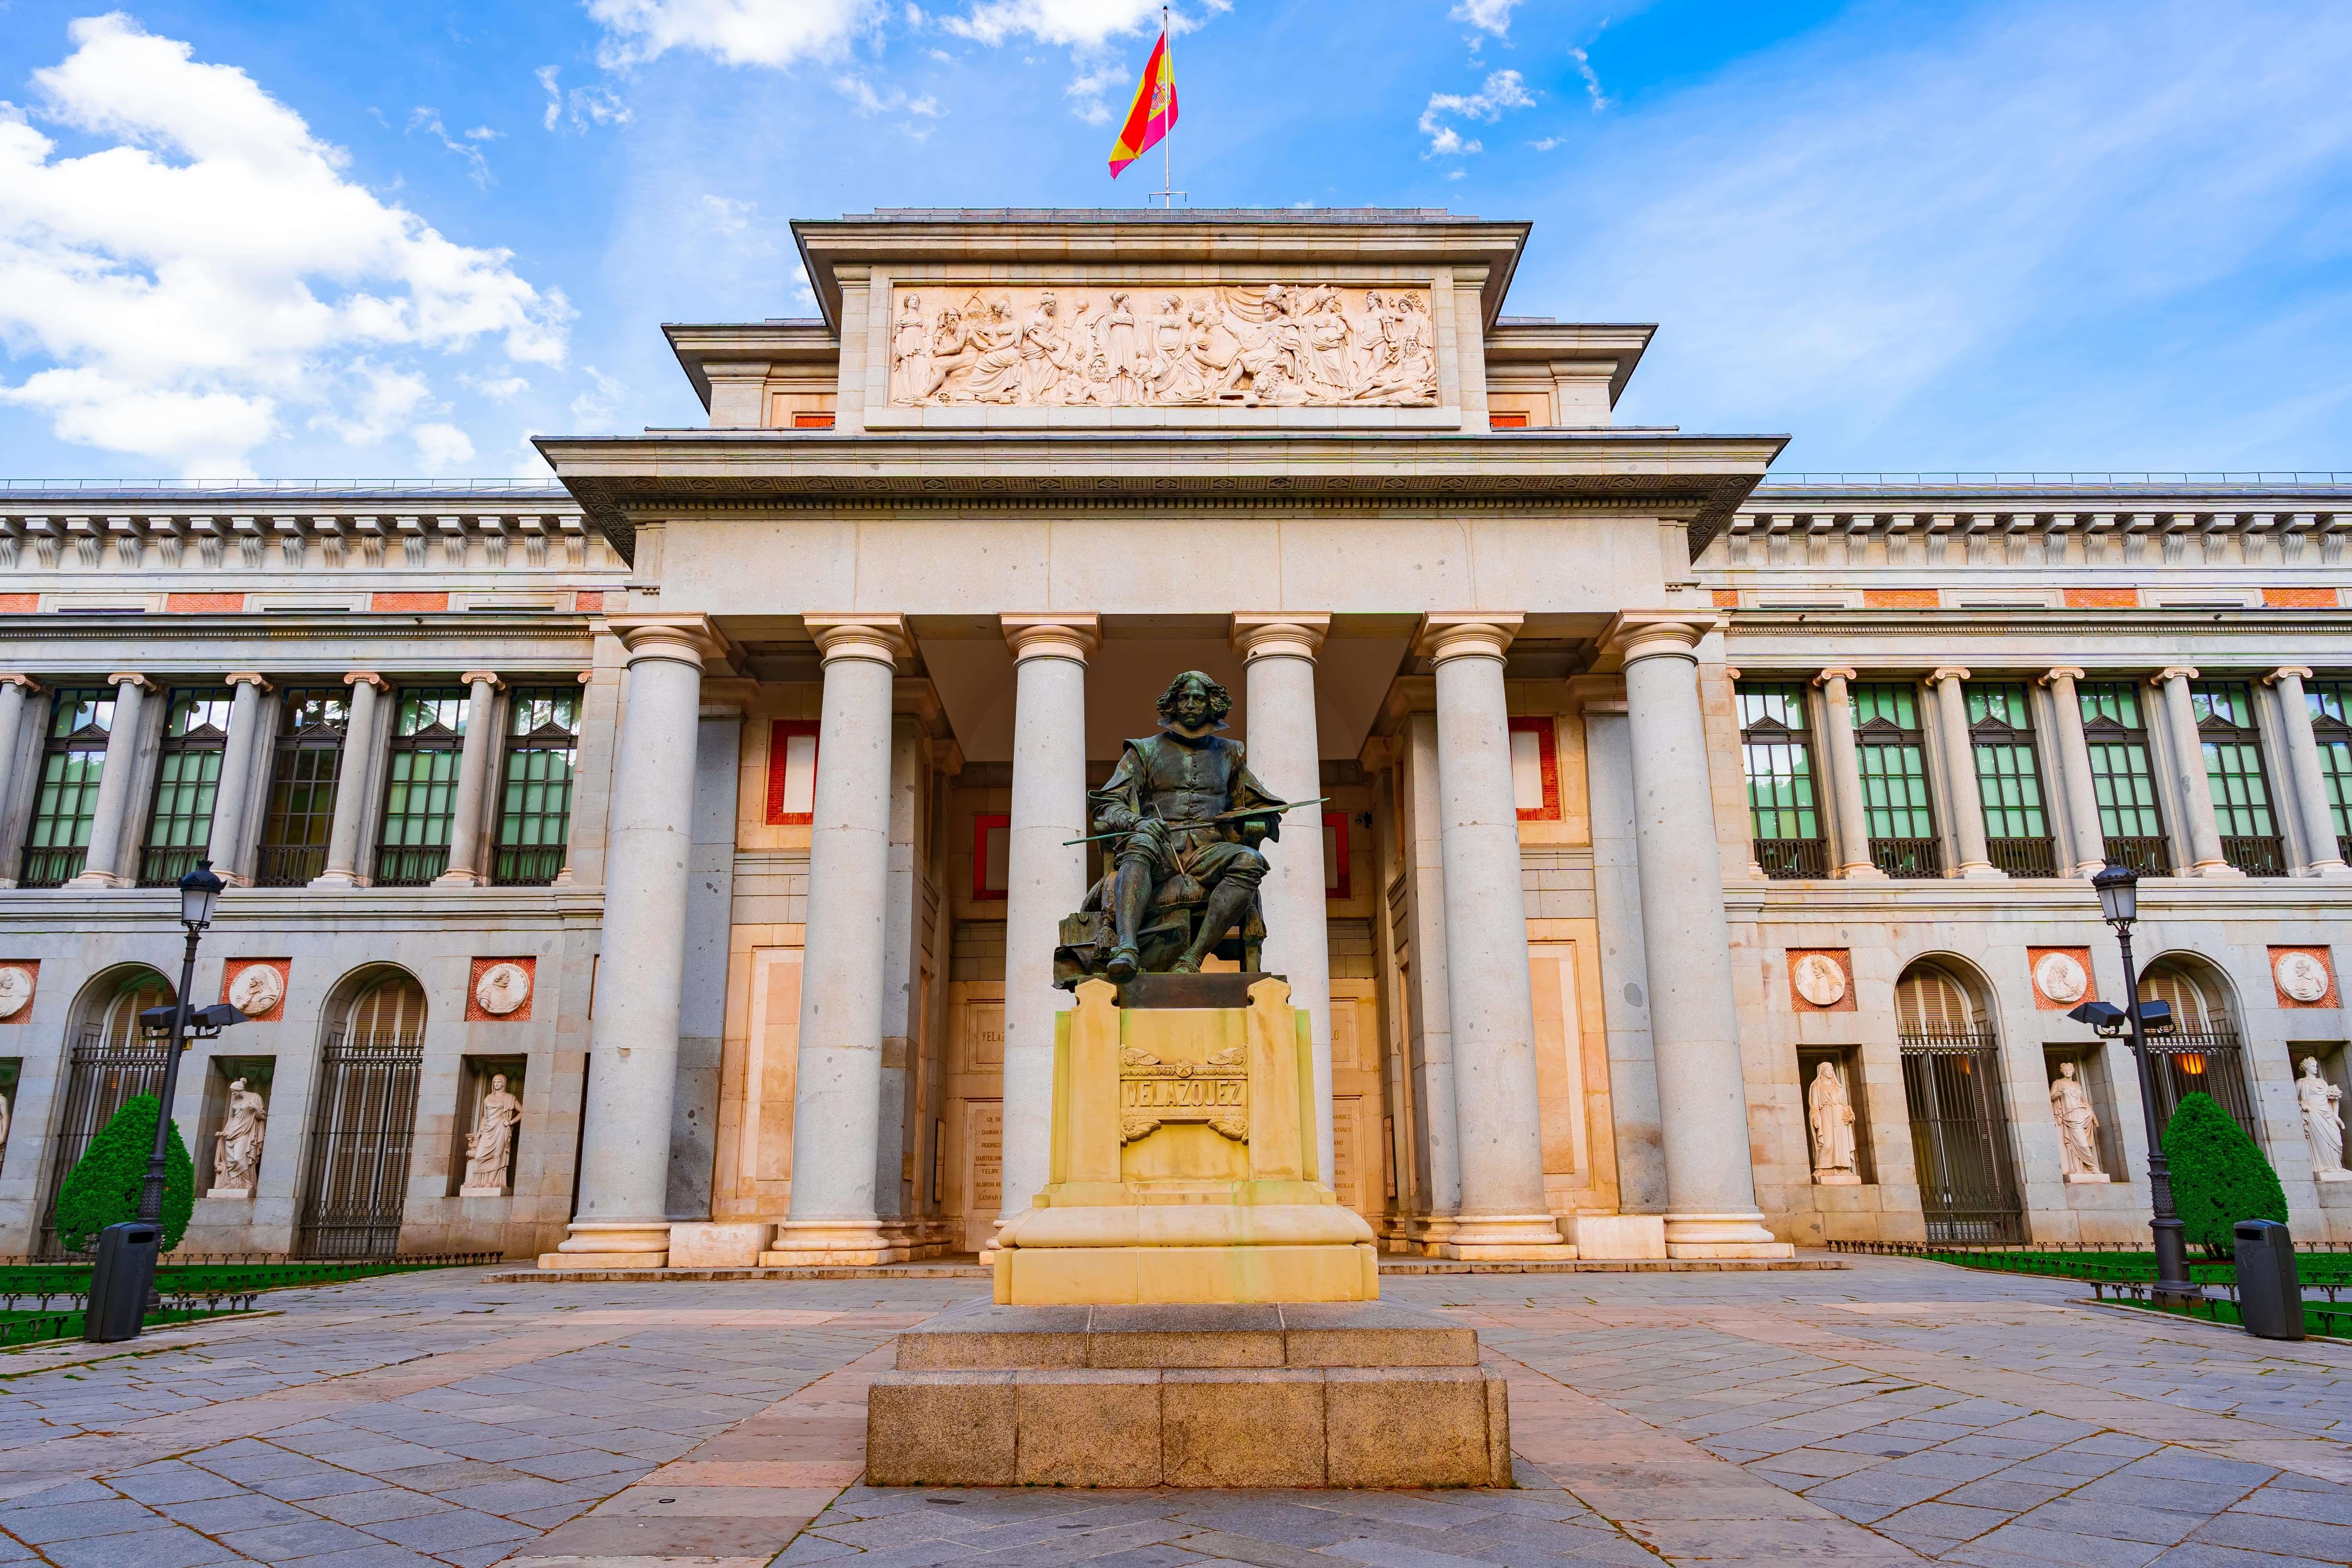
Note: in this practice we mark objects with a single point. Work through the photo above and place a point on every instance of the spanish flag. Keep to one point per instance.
(1153, 112)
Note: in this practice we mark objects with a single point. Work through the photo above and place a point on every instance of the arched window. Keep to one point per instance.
(109, 1063)
(364, 1117)
(1951, 1085)
(2204, 1055)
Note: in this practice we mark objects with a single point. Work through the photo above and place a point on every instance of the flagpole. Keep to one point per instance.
(1168, 137)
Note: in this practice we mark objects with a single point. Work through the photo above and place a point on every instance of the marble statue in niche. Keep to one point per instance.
(1832, 1115)
(237, 1147)
(2078, 1126)
(2323, 1122)
(490, 1148)
(1285, 345)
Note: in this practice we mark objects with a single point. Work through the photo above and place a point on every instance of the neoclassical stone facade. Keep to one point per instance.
(716, 799)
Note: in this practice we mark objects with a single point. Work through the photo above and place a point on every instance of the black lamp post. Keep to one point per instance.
(2118, 889)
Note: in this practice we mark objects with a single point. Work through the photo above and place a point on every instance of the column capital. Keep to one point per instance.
(1643, 633)
(1279, 634)
(1048, 635)
(483, 678)
(2174, 672)
(1837, 672)
(2287, 672)
(684, 639)
(874, 639)
(253, 678)
(1944, 672)
(18, 677)
(2060, 672)
(1465, 634)
(367, 678)
(132, 677)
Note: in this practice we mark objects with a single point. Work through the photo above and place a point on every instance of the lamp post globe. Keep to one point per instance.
(200, 891)
(2118, 890)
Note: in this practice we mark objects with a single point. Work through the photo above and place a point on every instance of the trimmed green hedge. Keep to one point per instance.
(2219, 1175)
(102, 1188)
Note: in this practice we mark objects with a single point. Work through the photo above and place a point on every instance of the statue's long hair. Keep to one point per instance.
(1220, 701)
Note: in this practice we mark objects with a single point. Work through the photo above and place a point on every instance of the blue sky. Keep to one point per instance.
(336, 239)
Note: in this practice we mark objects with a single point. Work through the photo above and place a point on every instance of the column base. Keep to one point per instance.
(834, 1243)
(334, 880)
(2330, 871)
(1506, 1238)
(611, 1244)
(2219, 870)
(1621, 1235)
(457, 879)
(1982, 871)
(1861, 871)
(2087, 868)
(1723, 1235)
(98, 879)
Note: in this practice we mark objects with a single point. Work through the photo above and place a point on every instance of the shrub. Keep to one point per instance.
(102, 1188)
(2219, 1175)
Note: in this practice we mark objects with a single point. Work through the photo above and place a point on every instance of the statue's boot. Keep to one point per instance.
(1124, 964)
(1227, 905)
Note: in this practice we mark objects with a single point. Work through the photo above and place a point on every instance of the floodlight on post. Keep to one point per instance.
(2118, 890)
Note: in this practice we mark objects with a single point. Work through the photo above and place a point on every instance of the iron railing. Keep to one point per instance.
(1959, 1140)
(165, 867)
(1782, 857)
(2255, 854)
(410, 867)
(1908, 857)
(529, 868)
(2344, 847)
(50, 867)
(2211, 1062)
(2146, 856)
(2022, 857)
(288, 865)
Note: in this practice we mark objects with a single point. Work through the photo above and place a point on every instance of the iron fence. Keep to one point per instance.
(2209, 1063)
(1959, 1139)
(100, 1075)
(50, 867)
(289, 864)
(1908, 857)
(165, 867)
(2255, 854)
(363, 1128)
(2147, 857)
(2022, 857)
(1783, 857)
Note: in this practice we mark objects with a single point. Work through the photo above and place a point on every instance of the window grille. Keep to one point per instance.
(535, 811)
(2204, 1056)
(110, 1062)
(73, 758)
(363, 1125)
(1893, 765)
(421, 797)
(2122, 779)
(2224, 710)
(1783, 801)
(1952, 1090)
(312, 726)
(187, 782)
(2008, 779)
(2331, 727)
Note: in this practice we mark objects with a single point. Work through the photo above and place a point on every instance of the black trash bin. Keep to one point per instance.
(120, 1285)
(2270, 1295)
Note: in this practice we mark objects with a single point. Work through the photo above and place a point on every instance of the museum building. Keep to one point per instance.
(1703, 855)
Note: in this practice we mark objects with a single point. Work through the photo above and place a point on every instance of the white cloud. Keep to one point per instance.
(1547, 144)
(1086, 89)
(587, 106)
(469, 149)
(737, 32)
(1078, 23)
(594, 411)
(1591, 80)
(441, 446)
(1486, 15)
(859, 92)
(210, 269)
(728, 215)
(370, 402)
(497, 388)
(1503, 91)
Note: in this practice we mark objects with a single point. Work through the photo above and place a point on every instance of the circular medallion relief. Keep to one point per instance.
(502, 988)
(256, 989)
(2300, 977)
(1820, 979)
(16, 989)
(2060, 977)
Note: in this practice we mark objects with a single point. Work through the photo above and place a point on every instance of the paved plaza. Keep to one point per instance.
(1892, 1411)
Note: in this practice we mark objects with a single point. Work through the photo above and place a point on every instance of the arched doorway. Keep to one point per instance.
(364, 1117)
(2205, 1055)
(107, 1063)
(1951, 1082)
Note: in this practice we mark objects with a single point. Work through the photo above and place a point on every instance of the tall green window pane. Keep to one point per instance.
(535, 804)
(2330, 701)
(73, 758)
(2123, 780)
(2008, 782)
(187, 777)
(2233, 758)
(421, 789)
(1894, 762)
(306, 767)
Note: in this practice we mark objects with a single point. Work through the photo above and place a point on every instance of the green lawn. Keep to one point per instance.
(2318, 1318)
(43, 1301)
(2124, 1268)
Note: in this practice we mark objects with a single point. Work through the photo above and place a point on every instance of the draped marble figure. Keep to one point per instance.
(2078, 1125)
(237, 1147)
(1286, 345)
(1832, 1114)
(2323, 1122)
(490, 1146)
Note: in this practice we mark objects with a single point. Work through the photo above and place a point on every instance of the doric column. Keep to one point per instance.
(109, 824)
(2310, 786)
(2088, 838)
(1279, 649)
(241, 757)
(351, 782)
(1961, 795)
(17, 693)
(1504, 1214)
(1045, 877)
(1429, 1026)
(1693, 1020)
(837, 1096)
(1845, 775)
(623, 1219)
(2205, 857)
(473, 780)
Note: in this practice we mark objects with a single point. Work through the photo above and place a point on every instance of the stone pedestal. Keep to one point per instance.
(2088, 1180)
(1325, 1394)
(1182, 1168)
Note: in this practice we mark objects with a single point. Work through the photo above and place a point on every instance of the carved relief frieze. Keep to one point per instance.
(1282, 346)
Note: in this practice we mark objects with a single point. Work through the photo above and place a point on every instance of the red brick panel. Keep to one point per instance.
(1898, 598)
(2299, 598)
(2101, 598)
(1726, 598)
(204, 603)
(589, 599)
(412, 602)
(19, 603)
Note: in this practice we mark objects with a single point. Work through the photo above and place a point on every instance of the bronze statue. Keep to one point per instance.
(1183, 820)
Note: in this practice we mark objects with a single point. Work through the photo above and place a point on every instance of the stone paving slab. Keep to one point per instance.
(1891, 1412)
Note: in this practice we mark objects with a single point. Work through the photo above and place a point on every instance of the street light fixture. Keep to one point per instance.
(2118, 890)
